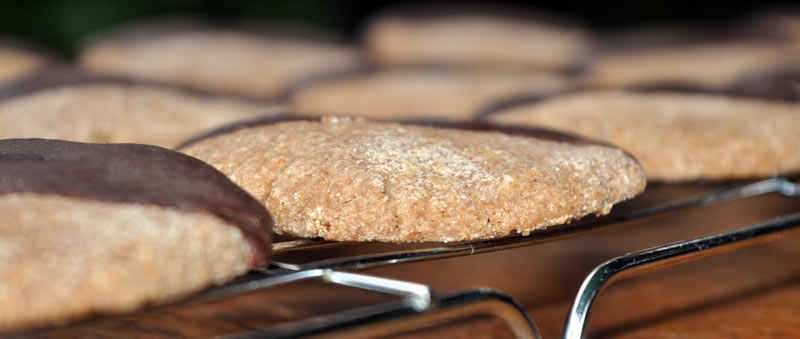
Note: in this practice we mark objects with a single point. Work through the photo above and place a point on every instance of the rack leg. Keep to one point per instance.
(666, 256)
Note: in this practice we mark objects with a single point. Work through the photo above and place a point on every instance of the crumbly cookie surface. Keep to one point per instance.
(404, 93)
(678, 136)
(110, 112)
(63, 258)
(353, 179)
(223, 61)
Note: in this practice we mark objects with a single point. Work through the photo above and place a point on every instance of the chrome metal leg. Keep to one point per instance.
(399, 317)
(666, 256)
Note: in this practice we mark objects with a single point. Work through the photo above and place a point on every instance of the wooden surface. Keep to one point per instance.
(752, 293)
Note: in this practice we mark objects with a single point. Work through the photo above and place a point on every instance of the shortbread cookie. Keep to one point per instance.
(107, 228)
(16, 62)
(79, 108)
(429, 92)
(474, 36)
(353, 179)
(711, 59)
(243, 60)
(676, 136)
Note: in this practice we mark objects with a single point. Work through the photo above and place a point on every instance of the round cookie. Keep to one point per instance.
(677, 136)
(706, 57)
(430, 92)
(250, 60)
(60, 103)
(17, 61)
(353, 179)
(474, 36)
(108, 228)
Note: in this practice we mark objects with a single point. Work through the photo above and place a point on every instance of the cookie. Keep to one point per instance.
(62, 104)
(17, 61)
(108, 228)
(474, 36)
(427, 92)
(351, 179)
(695, 56)
(245, 59)
(676, 136)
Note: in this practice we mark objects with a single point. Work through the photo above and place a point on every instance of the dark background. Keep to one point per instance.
(62, 24)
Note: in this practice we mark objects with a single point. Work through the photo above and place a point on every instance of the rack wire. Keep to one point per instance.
(420, 306)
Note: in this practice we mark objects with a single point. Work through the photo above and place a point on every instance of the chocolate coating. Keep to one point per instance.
(646, 39)
(478, 126)
(132, 173)
(47, 77)
(245, 124)
(513, 101)
(779, 85)
(58, 75)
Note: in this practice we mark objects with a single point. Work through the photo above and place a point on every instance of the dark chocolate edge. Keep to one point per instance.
(512, 101)
(650, 38)
(501, 105)
(257, 236)
(369, 70)
(633, 40)
(311, 81)
(781, 84)
(476, 126)
(302, 83)
(57, 75)
(233, 127)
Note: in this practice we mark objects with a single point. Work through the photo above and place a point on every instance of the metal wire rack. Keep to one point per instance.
(420, 306)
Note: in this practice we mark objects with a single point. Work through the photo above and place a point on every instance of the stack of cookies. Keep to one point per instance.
(446, 125)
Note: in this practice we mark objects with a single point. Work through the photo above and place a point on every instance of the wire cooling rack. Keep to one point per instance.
(420, 306)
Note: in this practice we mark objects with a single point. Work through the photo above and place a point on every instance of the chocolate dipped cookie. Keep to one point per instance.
(109, 228)
(353, 179)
